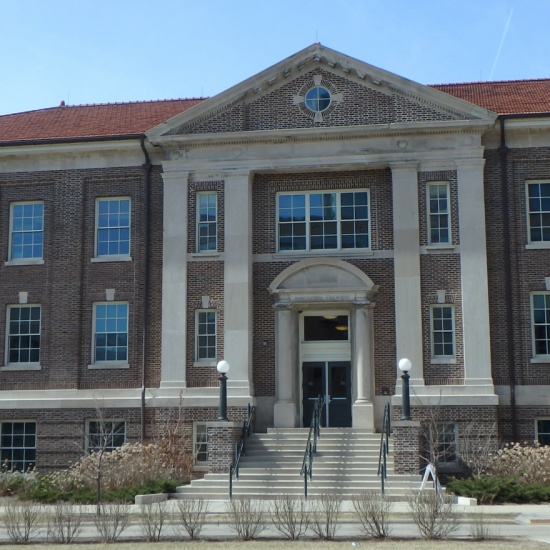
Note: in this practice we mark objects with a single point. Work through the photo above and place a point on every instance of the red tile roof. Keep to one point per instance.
(123, 119)
(505, 97)
(90, 121)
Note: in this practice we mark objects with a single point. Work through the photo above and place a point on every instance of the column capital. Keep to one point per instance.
(471, 162)
(408, 165)
(175, 176)
(238, 174)
(282, 306)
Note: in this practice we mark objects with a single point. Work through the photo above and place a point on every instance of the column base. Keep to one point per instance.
(284, 414)
(362, 415)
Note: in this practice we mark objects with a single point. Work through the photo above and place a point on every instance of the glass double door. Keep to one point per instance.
(332, 381)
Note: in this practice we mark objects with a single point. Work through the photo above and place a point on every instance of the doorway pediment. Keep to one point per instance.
(322, 280)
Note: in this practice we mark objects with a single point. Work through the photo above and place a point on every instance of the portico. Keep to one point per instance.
(327, 290)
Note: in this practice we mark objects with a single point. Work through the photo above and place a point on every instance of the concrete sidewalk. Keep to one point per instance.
(531, 521)
(526, 520)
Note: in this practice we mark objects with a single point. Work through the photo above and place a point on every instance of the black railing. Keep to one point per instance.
(384, 447)
(240, 448)
(311, 445)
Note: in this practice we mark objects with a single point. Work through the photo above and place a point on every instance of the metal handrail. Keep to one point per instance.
(384, 446)
(240, 448)
(311, 446)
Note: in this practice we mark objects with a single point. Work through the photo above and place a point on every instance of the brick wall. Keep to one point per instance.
(68, 283)
(275, 109)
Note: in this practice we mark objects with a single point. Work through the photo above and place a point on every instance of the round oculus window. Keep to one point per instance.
(318, 99)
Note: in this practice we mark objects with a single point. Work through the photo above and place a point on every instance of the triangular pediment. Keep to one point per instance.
(360, 95)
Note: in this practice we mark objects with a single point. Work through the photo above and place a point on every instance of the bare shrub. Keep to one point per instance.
(131, 465)
(526, 463)
(64, 523)
(192, 516)
(374, 513)
(433, 514)
(325, 513)
(14, 482)
(477, 446)
(111, 521)
(152, 520)
(245, 518)
(480, 527)
(21, 519)
(290, 516)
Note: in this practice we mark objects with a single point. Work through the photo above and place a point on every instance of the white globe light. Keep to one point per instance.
(405, 365)
(223, 367)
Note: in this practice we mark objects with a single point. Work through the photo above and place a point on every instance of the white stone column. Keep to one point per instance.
(363, 366)
(238, 281)
(174, 280)
(408, 310)
(473, 262)
(284, 412)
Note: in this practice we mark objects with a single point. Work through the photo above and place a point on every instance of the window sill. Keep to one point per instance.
(316, 253)
(205, 364)
(21, 367)
(109, 365)
(436, 247)
(25, 261)
(443, 360)
(206, 254)
(537, 246)
(543, 359)
(101, 259)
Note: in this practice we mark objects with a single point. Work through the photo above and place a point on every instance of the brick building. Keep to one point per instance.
(311, 225)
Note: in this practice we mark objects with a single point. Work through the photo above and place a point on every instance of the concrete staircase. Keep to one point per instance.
(346, 463)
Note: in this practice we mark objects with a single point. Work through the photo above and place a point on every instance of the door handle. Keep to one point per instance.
(327, 399)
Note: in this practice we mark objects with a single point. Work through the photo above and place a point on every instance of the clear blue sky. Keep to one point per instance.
(103, 51)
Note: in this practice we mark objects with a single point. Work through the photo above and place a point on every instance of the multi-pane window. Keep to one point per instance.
(201, 443)
(113, 227)
(443, 340)
(18, 445)
(27, 231)
(205, 335)
(334, 220)
(207, 221)
(543, 431)
(105, 435)
(111, 332)
(439, 231)
(540, 309)
(445, 442)
(538, 210)
(23, 334)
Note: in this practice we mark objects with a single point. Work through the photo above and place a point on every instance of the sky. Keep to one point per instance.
(107, 51)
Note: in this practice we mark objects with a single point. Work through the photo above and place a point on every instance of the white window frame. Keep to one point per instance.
(29, 259)
(545, 325)
(200, 224)
(538, 432)
(444, 441)
(8, 348)
(433, 331)
(440, 215)
(200, 444)
(199, 334)
(338, 220)
(24, 447)
(98, 363)
(109, 429)
(106, 256)
(540, 243)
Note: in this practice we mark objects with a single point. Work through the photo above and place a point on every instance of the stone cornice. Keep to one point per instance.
(171, 144)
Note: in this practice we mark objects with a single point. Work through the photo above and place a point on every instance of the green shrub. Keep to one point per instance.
(43, 490)
(494, 489)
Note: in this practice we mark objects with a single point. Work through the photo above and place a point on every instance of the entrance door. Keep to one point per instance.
(331, 380)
